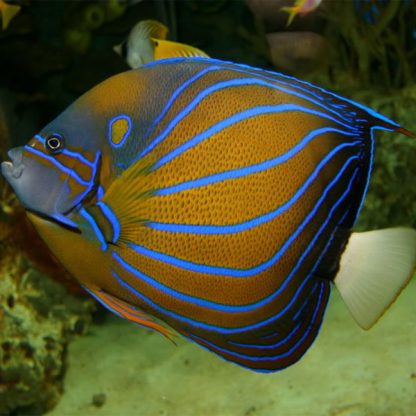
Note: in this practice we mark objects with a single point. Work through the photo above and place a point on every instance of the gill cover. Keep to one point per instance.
(50, 179)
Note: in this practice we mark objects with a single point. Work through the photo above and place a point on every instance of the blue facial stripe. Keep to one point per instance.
(223, 85)
(59, 165)
(255, 222)
(311, 87)
(202, 325)
(175, 95)
(69, 153)
(271, 357)
(234, 119)
(248, 170)
(238, 308)
(99, 234)
(112, 219)
(110, 130)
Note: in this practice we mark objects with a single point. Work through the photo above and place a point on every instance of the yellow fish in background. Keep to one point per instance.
(300, 7)
(147, 43)
(8, 11)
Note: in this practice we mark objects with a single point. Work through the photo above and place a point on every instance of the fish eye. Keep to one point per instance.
(54, 144)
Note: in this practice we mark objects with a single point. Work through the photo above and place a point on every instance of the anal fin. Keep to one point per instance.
(127, 311)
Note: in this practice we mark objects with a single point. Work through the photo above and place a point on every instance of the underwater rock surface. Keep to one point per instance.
(37, 320)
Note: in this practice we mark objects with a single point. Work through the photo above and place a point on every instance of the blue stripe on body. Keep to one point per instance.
(209, 327)
(248, 170)
(69, 153)
(112, 219)
(262, 219)
(241, 308)
(99, 234)
(271, 357)
(59, 165)
(317, 262)
(174, 96)
(234, 119)
(218, 87)
(313, 88)
(226, 271)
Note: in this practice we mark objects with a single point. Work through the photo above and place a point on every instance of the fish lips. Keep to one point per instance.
(37, 188)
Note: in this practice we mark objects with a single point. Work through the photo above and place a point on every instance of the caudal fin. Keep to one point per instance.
(374, 268)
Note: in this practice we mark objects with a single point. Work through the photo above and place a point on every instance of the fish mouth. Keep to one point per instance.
(13, 168)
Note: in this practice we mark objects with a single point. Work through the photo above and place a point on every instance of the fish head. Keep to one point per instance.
(52, 175)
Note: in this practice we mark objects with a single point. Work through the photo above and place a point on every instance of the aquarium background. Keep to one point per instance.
(62, 354)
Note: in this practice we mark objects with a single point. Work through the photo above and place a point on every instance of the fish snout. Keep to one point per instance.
(14, 167)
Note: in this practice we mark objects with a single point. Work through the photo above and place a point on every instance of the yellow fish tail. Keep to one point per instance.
(293, 11)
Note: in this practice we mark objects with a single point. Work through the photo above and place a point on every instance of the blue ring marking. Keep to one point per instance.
(126, 135)
(112, 219)
(234, 119)
(254, 222)
(59, 165)
(67, 152)
(271, 357)
(174, 96)
(217, 87)
(205, 326)
(227, 271)
(248, 170)
(223, 307)
(95, 227)
(276, 74)
(99, 300)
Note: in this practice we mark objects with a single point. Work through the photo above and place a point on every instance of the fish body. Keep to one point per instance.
(213, 196)
(300, 7)
(147, 42)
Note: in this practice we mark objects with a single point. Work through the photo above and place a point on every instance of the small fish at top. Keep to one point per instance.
(8, 11)
(218, 199)
(147, 43)
(300, 7)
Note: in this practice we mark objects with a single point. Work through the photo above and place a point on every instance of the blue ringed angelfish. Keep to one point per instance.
(216, 200)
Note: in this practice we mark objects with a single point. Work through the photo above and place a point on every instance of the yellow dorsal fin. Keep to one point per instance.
(132, 313)
(167, 49)
(151, 29)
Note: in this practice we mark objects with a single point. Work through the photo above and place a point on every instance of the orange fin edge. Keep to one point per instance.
(129, 312)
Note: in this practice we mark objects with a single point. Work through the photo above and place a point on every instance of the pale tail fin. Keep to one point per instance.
(374, 268)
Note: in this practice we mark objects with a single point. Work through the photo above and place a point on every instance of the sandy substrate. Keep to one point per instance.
(347, 372)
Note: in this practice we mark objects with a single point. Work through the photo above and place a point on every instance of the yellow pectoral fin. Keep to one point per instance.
(127, 311)
(124, 204)
(167, 49)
